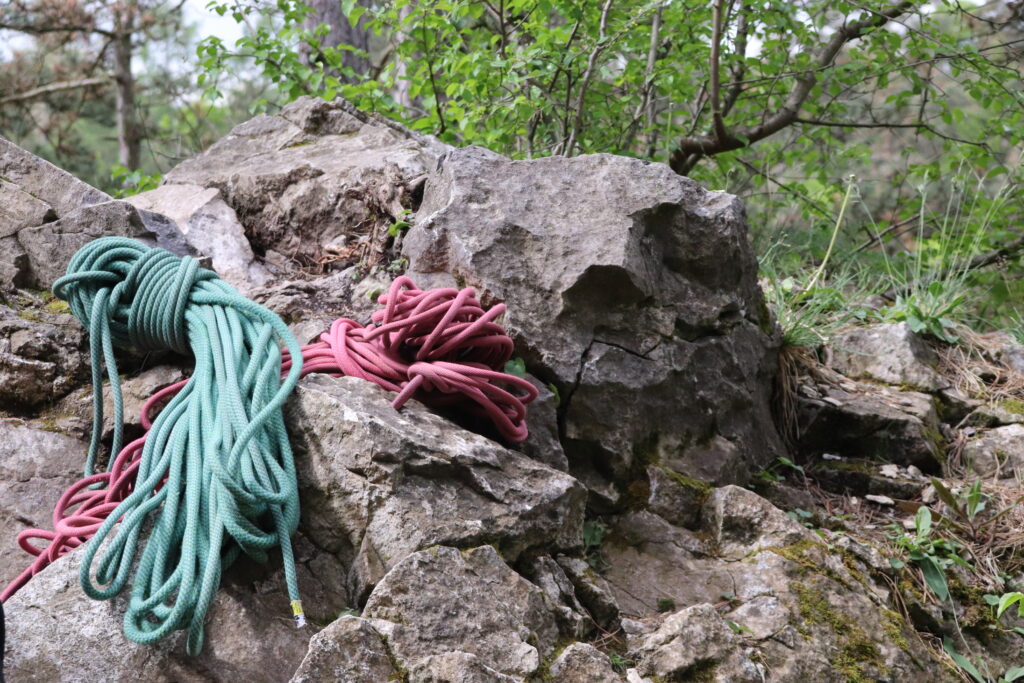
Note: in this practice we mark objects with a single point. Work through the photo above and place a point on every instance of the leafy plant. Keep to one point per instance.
(133, 182)
(932, 554)
(929, 311)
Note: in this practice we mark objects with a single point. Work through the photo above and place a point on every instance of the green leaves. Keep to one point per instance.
(1007, 601)
(934, 576)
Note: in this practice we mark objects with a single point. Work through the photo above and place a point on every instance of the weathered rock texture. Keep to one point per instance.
(314, 183)
(56, 633)
(379, 484)
(210, 227)
(43, 353)
(619, 298)
(36, 466)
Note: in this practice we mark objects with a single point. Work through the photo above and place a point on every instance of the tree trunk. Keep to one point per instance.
(341, 33)
(128, 138)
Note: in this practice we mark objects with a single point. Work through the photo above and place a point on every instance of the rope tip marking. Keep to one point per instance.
(298, 614)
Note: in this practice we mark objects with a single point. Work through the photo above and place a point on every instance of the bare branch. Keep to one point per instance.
(805, 81)
(599, 47)
(58, 86)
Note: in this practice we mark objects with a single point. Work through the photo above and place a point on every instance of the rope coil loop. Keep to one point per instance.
(215, 476)
(438, 346)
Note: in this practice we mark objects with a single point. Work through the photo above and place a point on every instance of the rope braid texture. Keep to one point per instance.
(215, 472)
(439, 346)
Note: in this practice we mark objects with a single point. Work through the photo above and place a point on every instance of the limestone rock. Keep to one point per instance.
(551, 578)
(997, 452)
(50, 246)
(378, 484)
(56, 633)
(616, 297)
(42, 354)
(583, 663)
(36, 466)
(673, 497)
(692, 642)
(889, 353)
(740, 522)
(350, 650)
(654, 566)
(77, 407)
(312, 180)
(592, 591)
(443, 600)
(455, 667)
(210, 226)
(60, 190)
(542, 443)
(996, 415)
(867, 422)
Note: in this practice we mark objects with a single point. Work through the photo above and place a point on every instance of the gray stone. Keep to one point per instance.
(210, 227)
(50, 246)
(872, 423)
(36, 466)
(19, 209)
(995, 416)
(42, 354)
(456, 667)
(675, 498)
(740, 522)
(443, 600)
(889, 353)
(378, 484)
(60, 190)
(542, 443)
(583, 663)
(610, 269)
(322, 300)
(56, 633)
(653, 566)
(997, 452)
(311, 181)
(592, 591)
(349, 650)
(690, 642)
(545, 573)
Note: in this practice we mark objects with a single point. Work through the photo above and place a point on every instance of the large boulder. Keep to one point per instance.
(379, 484)
(316, 182)
(631, 289)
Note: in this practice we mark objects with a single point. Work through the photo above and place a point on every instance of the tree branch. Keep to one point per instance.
(58, 86)
(599, 47)
(805, 81)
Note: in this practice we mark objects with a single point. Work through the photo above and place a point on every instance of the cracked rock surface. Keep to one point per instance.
(618, 298)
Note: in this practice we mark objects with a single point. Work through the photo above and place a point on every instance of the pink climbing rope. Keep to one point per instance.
(85, 505)
(438, 346)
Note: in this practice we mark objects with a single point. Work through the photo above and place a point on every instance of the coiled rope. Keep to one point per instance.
(439, 346)
(215, 475)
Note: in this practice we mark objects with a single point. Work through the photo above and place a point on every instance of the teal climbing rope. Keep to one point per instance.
(216, 477)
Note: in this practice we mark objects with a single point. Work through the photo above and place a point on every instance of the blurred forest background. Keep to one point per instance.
(877, 144)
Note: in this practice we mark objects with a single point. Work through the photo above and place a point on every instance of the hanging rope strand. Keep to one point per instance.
(215, 474)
